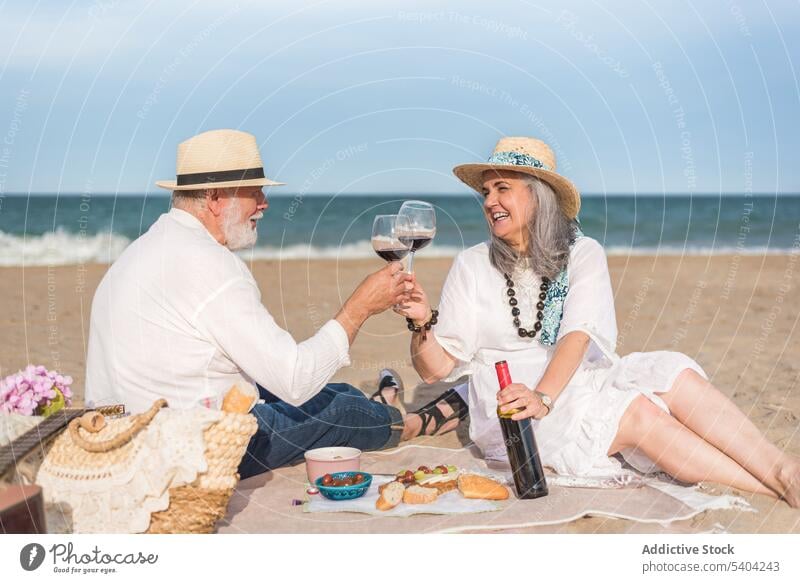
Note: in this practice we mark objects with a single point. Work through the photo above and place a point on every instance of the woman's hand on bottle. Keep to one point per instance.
(524, 400)
(417, 307)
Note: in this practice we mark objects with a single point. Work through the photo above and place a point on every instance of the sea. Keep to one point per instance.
(73, 229)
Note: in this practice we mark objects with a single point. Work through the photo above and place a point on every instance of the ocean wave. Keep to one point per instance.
(60, 247)
(363, 249)
(66, 248)
(357, 250)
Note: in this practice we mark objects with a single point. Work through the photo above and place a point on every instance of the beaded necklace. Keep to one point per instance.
(512, 301)
(549, 308)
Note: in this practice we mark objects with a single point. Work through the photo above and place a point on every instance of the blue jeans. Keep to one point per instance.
(339, 415)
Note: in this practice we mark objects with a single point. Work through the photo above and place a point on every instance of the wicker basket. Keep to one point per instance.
(196, 508)
(193, 507)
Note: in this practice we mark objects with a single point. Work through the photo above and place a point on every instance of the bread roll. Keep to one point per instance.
(419, 495)
(481, 487)
(391, 495)
(236, 401)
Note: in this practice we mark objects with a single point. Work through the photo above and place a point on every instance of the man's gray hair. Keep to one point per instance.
(189, 200)
(549, 234)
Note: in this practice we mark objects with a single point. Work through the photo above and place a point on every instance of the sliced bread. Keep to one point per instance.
(391, 495)
(420, 495)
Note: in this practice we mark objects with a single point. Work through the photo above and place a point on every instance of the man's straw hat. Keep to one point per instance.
(218, 159)
(528, 156)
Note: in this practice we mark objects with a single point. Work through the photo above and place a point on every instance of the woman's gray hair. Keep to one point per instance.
(549, 234)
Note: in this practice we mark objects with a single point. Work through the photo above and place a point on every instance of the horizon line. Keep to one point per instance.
(284, 194)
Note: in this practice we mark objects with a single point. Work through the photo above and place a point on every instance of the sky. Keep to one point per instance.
(386, 97)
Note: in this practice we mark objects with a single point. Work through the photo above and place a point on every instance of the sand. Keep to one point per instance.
(736, 315)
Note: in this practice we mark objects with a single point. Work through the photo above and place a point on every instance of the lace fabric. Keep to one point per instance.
(116, 492)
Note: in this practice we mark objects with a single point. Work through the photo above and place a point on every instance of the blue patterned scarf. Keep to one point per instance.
(554, 302)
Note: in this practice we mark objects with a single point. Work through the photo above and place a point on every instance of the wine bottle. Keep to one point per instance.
(523, 455)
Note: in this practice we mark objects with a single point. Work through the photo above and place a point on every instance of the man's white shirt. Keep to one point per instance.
(179, 316)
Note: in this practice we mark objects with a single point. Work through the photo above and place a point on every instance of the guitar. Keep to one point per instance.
(22, 506)
(22, 510)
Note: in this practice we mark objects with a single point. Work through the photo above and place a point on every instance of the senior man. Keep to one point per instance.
(179, 316)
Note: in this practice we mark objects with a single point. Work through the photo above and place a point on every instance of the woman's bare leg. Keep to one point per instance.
(678, 450)
(701, 407)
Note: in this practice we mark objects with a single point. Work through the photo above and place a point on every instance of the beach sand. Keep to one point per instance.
(736, 315)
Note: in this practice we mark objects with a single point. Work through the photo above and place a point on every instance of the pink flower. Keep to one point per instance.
(32, 389)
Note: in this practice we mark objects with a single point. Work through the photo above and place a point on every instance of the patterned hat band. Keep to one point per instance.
(517, 159)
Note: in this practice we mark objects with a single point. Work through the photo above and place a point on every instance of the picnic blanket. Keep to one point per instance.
(263, 504)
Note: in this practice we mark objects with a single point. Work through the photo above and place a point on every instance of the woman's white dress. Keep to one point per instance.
(475, 326)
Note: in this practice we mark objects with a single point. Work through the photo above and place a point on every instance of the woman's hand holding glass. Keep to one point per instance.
(417, 307)
(520, 397)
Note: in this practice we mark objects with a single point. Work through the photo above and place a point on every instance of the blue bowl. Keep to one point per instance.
(344, 492)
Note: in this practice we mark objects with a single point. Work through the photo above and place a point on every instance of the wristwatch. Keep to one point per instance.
(546, 400)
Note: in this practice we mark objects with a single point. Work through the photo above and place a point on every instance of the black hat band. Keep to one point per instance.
(224, 176)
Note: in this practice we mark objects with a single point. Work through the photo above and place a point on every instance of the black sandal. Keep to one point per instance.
(390, 380)
(431, 411)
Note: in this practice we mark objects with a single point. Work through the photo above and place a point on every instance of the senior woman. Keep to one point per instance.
(538, 295)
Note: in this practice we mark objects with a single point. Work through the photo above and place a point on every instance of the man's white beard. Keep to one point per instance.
(239, 234)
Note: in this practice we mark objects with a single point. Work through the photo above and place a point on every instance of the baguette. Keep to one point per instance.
(420, 495)
(391, 496)
(481, 487)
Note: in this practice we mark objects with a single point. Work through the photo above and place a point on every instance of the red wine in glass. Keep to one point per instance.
(416, 243)
(385, 240)
(421, 224)
(392, 254)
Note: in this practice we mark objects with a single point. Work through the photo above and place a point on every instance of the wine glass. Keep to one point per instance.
(385, 239)
(421, 219)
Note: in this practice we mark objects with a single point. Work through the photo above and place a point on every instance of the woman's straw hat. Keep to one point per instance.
(218, 159)
(527, 156)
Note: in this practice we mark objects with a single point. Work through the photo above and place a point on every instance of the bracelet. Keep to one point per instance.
(543, 399)
(427, 326)
(546, 406)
